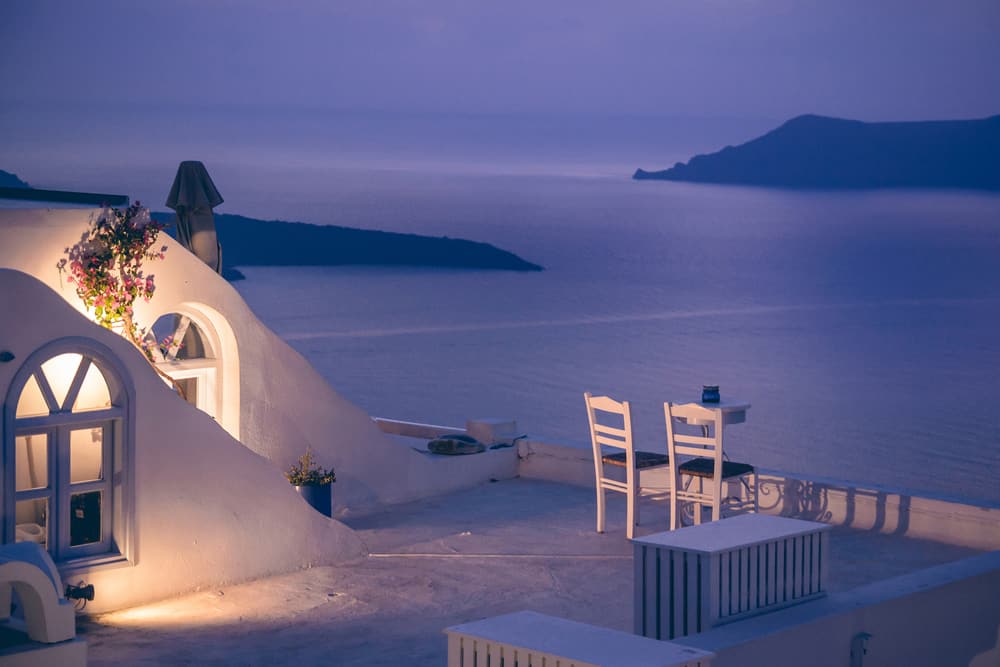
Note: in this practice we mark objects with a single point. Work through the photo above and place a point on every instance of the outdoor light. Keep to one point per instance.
(80, 592)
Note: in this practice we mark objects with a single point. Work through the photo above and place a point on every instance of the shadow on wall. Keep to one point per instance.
(880, 510)
(810, 500)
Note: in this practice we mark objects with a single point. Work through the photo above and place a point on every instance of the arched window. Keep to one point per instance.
(182, 349)
(65, 472)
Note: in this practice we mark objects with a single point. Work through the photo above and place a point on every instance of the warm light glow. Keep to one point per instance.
(31, 403)
(196, 610)
(94, 394)
(86, 448)
(31, 462)
(263, 600)
(60, 371)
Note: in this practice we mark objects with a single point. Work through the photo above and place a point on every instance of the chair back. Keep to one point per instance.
(681, 421)
(610, 423)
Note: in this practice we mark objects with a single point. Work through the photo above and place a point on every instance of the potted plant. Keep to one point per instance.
(313, 483)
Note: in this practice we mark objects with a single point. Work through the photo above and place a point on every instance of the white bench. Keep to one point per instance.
(695, 578)
(530, 639)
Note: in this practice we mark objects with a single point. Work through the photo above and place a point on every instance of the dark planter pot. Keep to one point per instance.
(319, 497)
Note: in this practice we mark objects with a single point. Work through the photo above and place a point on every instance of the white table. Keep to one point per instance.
(734, 410)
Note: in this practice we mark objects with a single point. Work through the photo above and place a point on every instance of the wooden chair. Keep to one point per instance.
(709, 466)
(601, 410)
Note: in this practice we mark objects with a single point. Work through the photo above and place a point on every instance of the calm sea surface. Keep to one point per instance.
(864, 327)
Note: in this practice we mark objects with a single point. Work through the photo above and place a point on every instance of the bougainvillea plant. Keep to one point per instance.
(106, 266)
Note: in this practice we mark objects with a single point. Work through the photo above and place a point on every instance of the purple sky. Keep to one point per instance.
(867, 59)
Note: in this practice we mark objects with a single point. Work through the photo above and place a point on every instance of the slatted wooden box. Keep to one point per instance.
(695, 578)
(530, 639)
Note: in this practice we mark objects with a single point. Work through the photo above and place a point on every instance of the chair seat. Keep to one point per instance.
(642, 459)
(702, 467)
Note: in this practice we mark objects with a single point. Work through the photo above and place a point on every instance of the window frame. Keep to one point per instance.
(205, 371)
(117, 546)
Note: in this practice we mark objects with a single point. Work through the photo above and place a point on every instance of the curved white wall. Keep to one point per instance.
(208, 511)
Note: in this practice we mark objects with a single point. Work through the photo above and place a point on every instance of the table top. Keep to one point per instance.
(732, 533)
(579, 641)
(725, 405)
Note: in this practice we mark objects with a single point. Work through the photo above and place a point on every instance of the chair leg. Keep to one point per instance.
(635, 504)
(717, 499)
(631, 518)
(673, 511)
(697, 506)
(600, 508)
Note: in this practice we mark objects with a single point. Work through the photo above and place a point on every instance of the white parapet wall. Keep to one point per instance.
(906, 621)
(444, 474)
(837, 502)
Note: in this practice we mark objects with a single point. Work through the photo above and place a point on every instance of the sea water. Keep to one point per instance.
(863, 327)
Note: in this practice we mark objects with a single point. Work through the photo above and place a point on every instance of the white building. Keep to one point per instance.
(143, 495)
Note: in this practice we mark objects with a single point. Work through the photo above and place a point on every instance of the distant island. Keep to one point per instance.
(830, 153)
(251, 242)
(9, 180)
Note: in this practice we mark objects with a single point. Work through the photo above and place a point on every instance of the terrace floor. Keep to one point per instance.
(500, 547)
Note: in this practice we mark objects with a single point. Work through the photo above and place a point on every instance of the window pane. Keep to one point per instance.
(31, 403)
(60, 371)
(179, 338)
(31, 462)
(190, 388)
(84, 518)
(86, 447)
(32, 521)
(94, 394)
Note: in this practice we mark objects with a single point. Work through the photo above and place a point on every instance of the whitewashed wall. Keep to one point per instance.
(207, 510)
